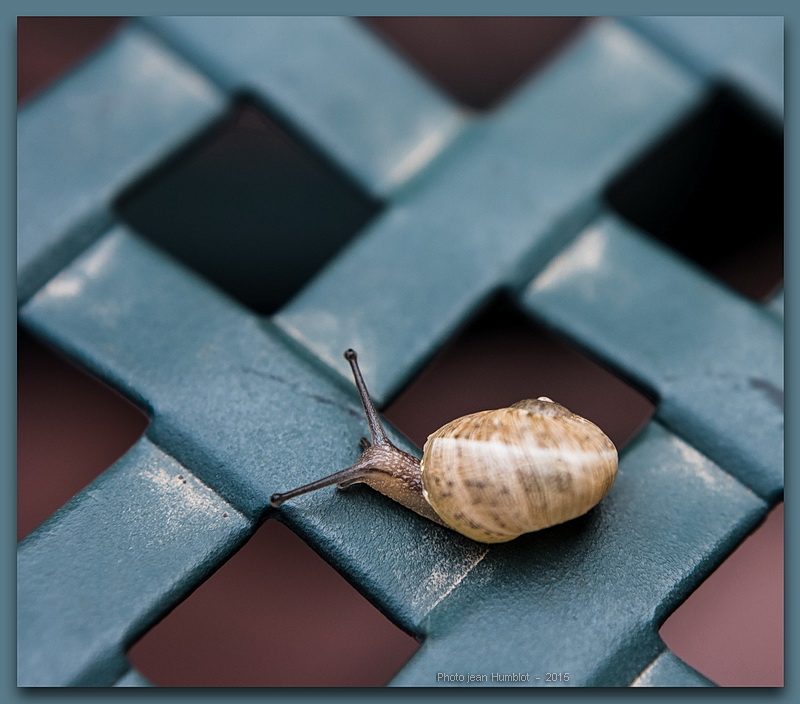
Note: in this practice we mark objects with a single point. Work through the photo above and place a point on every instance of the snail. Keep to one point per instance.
(491, 475)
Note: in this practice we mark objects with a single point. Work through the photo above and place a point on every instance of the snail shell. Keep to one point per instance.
(495, 475)
(490, 476)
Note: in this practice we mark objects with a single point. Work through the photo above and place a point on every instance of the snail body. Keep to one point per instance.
(491, 475)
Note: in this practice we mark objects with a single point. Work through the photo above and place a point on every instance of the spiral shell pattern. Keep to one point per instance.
(495, 475)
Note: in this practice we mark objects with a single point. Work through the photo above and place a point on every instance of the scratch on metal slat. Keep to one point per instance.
(643, 679)
(441, 577)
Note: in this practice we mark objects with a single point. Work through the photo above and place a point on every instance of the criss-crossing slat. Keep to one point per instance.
(516, 188)
(314, 72)
(718, 375)
(241, 405)
(79, 144)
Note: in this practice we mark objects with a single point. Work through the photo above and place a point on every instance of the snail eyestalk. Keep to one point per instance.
(375, 426)
(375, 456)
(341, 478)
(382, 466)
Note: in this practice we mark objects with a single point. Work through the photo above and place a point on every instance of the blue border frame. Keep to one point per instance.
(349, 7)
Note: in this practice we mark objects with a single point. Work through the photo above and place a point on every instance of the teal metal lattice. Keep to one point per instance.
(215, 377)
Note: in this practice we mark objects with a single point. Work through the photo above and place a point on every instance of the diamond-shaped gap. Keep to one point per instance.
(501, 357)
(477, 60)
(275, 615)
(70, 428)
(249, 207)
(713, 190)
(730, 629)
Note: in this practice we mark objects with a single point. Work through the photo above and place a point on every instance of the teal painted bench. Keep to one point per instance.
(228, 391)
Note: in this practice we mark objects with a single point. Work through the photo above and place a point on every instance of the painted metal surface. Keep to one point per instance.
(718, 374)
(517, 186)
(746, 52)
(585, 598)
(92, 134)
(105, 566)
(381, 142)
(241, 406)
(669, 671)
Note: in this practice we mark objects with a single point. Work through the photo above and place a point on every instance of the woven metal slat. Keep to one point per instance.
(242, 405)
(97, 130)
(381, 142)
